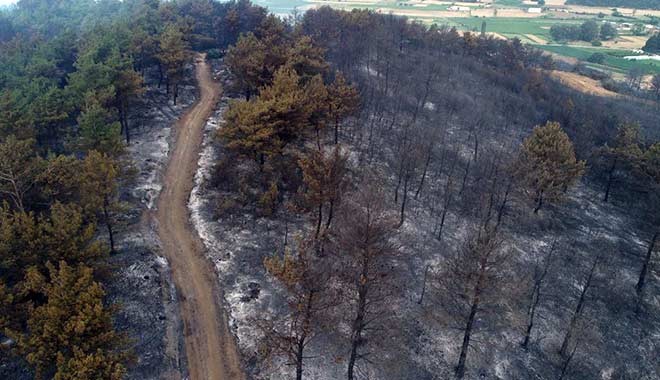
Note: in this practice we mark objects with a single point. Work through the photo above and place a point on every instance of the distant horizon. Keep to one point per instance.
(7, 2)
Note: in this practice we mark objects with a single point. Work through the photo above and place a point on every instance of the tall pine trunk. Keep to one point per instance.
(563, 351)
(359, 321)
(610, 179)
(476, 300)
(647, 260)
(108, 223)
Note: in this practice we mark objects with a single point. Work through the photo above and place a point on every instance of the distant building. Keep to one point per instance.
(624, 26)
(534, 10)
(457, 8)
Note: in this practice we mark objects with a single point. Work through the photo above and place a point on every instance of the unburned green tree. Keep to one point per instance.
(99, 128)
(246, 61)
(623, 154)
(20, 168)
(546, 165)
(265, 125)
(173, 55)
(324, 178)
(98, 188)
(71, 336)
(343, 101)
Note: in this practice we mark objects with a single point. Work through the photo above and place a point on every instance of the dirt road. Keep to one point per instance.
(210, 348)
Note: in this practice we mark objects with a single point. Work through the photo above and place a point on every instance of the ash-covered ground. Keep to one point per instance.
(141, 285)
(417, 340)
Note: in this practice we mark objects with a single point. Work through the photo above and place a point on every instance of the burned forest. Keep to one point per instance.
(205, 190)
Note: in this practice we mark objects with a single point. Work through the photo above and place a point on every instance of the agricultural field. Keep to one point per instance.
(525, 20)
(614, 60)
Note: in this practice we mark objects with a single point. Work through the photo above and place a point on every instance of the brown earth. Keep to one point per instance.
(210, 347)
(582, 83)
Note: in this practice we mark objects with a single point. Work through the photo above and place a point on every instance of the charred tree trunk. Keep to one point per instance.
(563, 351)
(421, 296)
(567, 362)
(160, 75)
(535, 297)
(465, 177)
(319, 219)
(299, 359)
(302, 339)
(360, 319)
(330, 212)
(647, 260)
(610, 180)
(505, 199)
(539, 201)
(404, 198)
(426, 167)
(474, 307)
(108, 223)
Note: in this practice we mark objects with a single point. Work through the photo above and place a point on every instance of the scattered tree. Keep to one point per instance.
(173, 55)
(625, 153)
(306, 279)
(364, 247)
(324, 179)
(547, 165)
(470, 282)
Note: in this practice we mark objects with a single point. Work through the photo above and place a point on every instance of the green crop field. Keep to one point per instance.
(613, 58)
(510, 3)
(511, 26)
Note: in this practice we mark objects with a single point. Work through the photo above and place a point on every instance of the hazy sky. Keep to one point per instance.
(5, 2)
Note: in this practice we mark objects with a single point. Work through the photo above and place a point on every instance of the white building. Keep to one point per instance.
(456, 8)
(534, 10)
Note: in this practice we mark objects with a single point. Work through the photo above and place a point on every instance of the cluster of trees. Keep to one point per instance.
(84, 82)
(71, 75)
(652, 45)
(589, 31)
(83, 64)
(348, 268)
(51, 261)
(293, 102)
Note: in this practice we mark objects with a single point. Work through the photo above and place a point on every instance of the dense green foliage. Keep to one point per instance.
(71, 72)
(587, 31)
(652, 46)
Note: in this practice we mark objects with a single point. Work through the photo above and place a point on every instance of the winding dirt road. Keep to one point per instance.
(210, 348)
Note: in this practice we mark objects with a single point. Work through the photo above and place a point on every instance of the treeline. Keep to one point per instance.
(652, 45)
(438, 125)
(71, 73)
(589, 31)
(640, 4)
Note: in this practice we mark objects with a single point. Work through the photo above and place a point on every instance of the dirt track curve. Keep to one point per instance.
(210, 348)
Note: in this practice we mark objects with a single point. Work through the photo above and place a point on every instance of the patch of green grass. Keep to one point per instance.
(613, 58)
